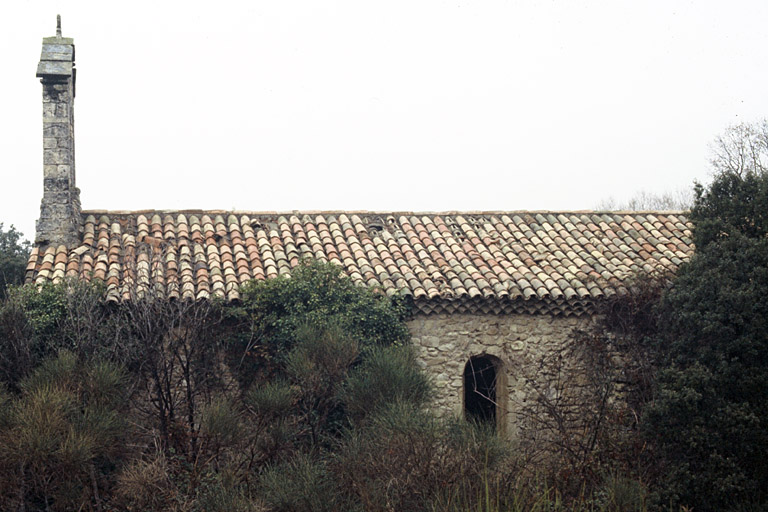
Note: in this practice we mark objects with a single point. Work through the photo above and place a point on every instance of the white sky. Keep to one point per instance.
(390, 105)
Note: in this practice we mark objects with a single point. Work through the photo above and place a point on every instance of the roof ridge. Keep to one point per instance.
(373, 212)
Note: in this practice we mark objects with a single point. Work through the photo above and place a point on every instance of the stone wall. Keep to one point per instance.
(445, 342)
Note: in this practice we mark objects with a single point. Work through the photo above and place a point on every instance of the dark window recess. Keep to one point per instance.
(480, 390)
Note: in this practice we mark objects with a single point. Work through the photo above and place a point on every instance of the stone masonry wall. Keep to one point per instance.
(59, 221)
(444, 344)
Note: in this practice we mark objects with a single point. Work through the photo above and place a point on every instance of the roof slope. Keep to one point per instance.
(556, 262)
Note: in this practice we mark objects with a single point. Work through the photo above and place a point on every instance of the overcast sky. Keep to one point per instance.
(412, 105)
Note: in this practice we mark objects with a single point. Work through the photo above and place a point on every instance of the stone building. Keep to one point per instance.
(491, 290)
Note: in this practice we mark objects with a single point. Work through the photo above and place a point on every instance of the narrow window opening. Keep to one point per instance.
(480, 390)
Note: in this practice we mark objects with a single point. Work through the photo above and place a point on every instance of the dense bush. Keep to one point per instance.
(317, 295)
(405, 459)
(708, 419)
(302, 484)
(331, 416)
(38, 322)
(387, 375)
(63, 430)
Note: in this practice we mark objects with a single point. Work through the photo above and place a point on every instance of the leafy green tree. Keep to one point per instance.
(711, 410)
(37, 322)
(317, 295)
(14, 252)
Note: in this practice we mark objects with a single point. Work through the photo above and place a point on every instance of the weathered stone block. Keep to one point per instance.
(54, 68)
(55, 130)
(57, 184)
(58, 51)
(55, 91)
(62, 110)
(57, 156)
(57, 197)
(430, 341)
(65, 171)
(51, 210)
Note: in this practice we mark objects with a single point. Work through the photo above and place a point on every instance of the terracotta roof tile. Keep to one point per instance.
(556, 262)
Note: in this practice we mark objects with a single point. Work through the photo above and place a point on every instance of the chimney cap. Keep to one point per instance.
(58, 56)
(58, 39)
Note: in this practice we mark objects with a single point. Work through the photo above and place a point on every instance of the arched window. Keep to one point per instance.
(484, 390)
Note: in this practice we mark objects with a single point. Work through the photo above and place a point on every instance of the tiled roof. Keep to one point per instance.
(555, 262)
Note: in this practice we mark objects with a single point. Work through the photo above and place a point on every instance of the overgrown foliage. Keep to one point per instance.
(701, 348)
(61, 435)
(317, 295)
(201, 436)
(404, 459)
(580, 426)
(305, 396)
(387, 375)
(173, 349)
(709, 417)
(38, 322)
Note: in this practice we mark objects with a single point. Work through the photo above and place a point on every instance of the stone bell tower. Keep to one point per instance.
(59, 221)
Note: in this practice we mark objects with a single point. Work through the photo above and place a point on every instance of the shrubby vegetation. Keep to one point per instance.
(709, 416)
(704, 346)
(65, 427)
(303, 396)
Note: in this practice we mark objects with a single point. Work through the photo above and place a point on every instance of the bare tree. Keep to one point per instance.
(178, 364)
(742, 149)
(173, 347)
(581, 418)
(681, 199)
